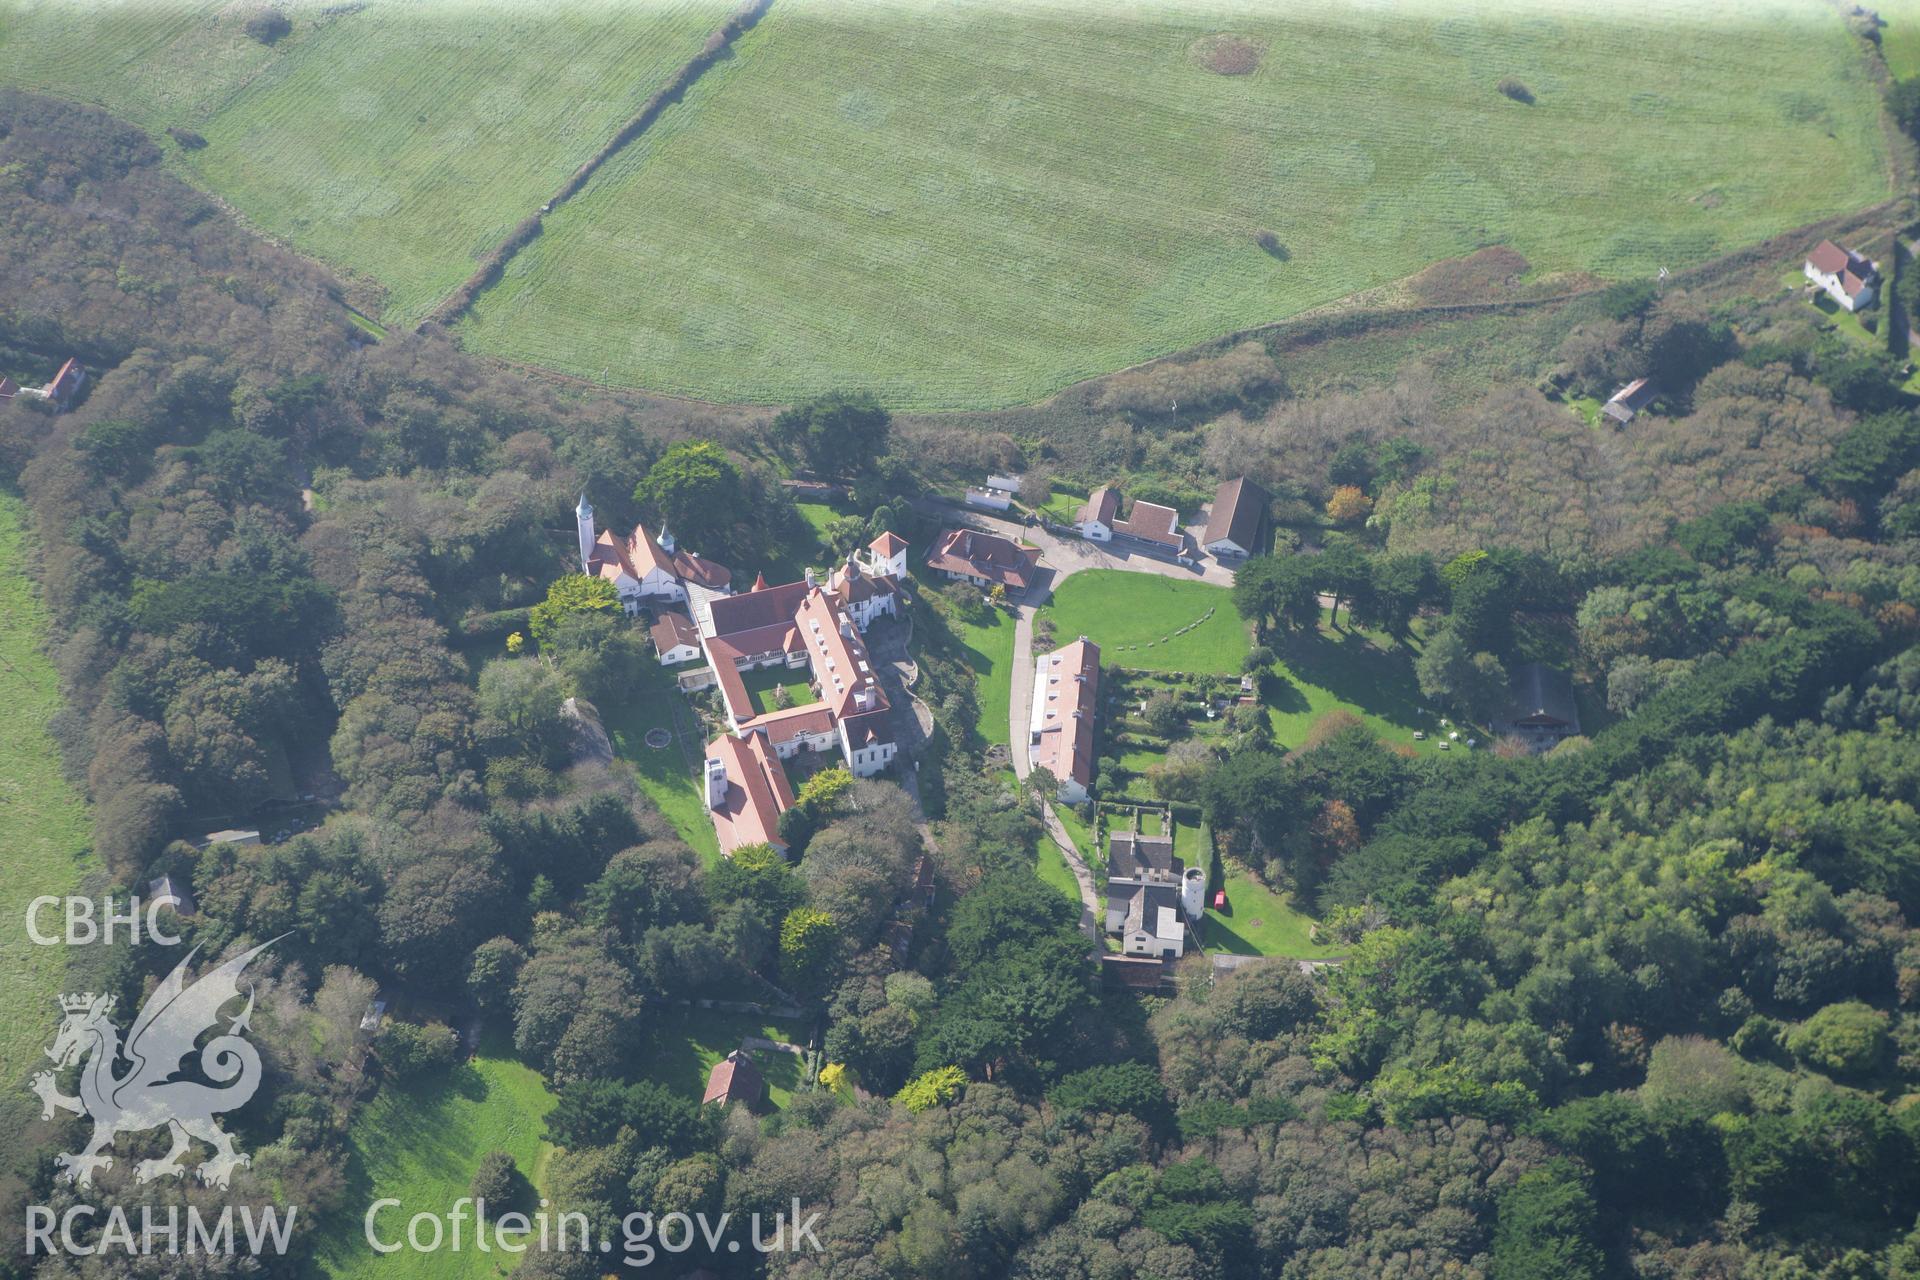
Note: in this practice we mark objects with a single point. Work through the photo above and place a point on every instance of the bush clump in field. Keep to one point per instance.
(187, 139)
(1481, 276)
(1270, 245)
(1516, 90)
(1227, 55)
(269, 26)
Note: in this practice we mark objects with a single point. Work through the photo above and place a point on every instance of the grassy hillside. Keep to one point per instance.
(420, 1143)
(44, 837)
(396, 139)
(975, 204)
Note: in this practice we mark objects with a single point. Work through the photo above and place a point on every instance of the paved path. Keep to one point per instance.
(1092, 913)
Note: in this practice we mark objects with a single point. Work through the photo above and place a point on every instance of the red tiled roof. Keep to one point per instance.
(755, 609)
(984, 556)
(1152, 522)
(1239, 505)
(673, 629)
(1072, 698)
(795, 722)
(63, 384)
(842, 669)
(757, 792)
(8, 387)
(1100, 505)
(734, 1079)
(888, 545)
(851, 584)
(1852, 269)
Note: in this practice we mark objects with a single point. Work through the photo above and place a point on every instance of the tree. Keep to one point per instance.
(407, 1050)
(1271, 591)
(1546, 1229)
(1903, 104)
(838, 433)
(1847, 1039)
(497, 1181)
(568, 597)
(809, 941)
(1348, 505)
(930, 1089)
(1343, 571)
(695, 491)
(1471, 683)
(523, 697)
(1164, 715)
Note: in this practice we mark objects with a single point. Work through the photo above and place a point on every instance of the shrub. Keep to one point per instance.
(269, 26)
(186, 138)
(933, 1089)
(407, 1050)
(1848, 1039)
(1516, 90)
(1270, 244)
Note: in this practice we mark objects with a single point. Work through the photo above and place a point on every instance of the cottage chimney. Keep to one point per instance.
(666, 541)
(716, 782)
(810, 582)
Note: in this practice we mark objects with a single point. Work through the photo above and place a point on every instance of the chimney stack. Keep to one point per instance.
(716, 782)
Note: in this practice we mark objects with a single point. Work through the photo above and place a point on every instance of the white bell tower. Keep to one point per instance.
(583, 518)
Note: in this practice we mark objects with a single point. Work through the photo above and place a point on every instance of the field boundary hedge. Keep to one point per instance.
(494, 262)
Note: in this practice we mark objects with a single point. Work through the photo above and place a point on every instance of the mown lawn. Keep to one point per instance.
(396, 141)
(986, 647)
(762, 683)
(665, 774)
(954, 232)
(1133, 617)
(1259, 922)
(1360, 672)
(683, 1043)
(1053, 869)
(419, 1143)
(45, 836)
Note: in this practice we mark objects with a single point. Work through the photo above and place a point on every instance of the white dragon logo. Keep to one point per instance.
(147, 1097)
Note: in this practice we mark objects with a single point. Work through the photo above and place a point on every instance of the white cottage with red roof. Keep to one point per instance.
(1848, 277)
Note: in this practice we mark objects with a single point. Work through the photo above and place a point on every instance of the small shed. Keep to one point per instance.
(1626, 403)
(1540, 708)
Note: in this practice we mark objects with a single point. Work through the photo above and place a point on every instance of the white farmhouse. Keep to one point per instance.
(1848, 278)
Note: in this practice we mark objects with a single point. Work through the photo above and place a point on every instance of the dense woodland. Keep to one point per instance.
(1648, 1005)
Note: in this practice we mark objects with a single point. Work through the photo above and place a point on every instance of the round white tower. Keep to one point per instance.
(1193, 893)
(583, 518)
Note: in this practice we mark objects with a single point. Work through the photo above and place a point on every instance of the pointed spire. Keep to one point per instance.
(759, 582)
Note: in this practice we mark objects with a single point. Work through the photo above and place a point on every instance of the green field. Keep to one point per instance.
(1900, 38)
(665, 774)
(973, 205)
(397, 141)
(419, 1143)
(45, 838)
(1132, 617)
(683, 1043)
